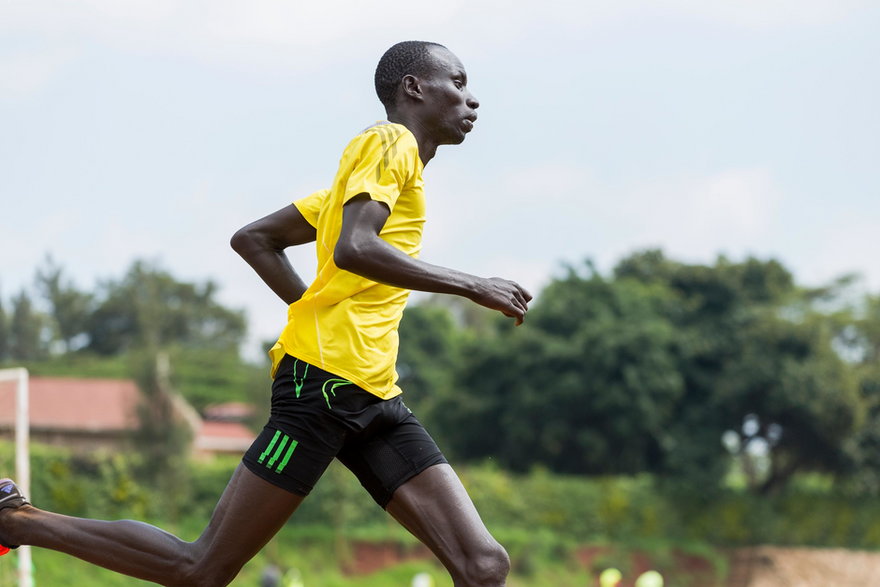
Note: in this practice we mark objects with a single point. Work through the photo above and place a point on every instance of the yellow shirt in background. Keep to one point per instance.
(344, 323)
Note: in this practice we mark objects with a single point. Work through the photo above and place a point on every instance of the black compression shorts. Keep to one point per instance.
(317, 416)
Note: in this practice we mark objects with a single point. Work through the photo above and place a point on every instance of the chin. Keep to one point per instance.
(457, 138)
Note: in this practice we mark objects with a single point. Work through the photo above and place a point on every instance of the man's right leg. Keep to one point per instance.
(248, 515)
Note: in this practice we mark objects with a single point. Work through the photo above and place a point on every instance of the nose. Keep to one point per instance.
(472, 101)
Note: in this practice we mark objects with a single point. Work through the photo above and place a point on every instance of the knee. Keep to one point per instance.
(488, 568)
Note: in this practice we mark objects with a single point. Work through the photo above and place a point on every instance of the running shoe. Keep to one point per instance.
(10, 497)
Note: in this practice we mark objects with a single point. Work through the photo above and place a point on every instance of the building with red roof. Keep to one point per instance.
(96, 414)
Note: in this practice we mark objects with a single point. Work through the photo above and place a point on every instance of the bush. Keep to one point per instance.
(528, 509)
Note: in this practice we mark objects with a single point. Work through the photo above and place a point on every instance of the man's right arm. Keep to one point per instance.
(262, 243)
(360, 250)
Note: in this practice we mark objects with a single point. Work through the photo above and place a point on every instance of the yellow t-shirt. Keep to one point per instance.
(344, 323)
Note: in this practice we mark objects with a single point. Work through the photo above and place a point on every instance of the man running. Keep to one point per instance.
(334, 393)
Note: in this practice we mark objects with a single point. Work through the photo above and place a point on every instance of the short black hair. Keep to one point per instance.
(404, 58)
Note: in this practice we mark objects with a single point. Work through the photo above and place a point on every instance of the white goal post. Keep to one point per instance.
(22, 458)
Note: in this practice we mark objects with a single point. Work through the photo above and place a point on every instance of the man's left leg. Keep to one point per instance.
(435, 507)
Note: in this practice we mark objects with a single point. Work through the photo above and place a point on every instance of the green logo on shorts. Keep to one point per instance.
(333, 383)
(286, 442)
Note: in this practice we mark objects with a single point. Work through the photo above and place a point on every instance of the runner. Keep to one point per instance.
(334, 393)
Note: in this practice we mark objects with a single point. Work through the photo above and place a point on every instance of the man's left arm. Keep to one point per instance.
(262, 243)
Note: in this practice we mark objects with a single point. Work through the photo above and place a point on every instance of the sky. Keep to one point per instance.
(153, 129)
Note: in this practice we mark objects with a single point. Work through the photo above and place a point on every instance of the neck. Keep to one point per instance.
(427, 147)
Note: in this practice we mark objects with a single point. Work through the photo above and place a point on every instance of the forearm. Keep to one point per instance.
(272, 265)
(275, 270)
(379, 261)
(361, 250)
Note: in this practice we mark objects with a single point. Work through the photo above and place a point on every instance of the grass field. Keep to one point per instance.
(388, 557)
(319, 568)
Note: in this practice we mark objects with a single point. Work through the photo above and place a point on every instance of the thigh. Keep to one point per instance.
(391, 451)
(303, 435)
(249, 513)
(435, 507)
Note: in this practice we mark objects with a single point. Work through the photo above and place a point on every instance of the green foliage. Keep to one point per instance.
(687, 371)
(4, 334)
(70, 308)
(99, 485)
(207, 376)
(117, 332)
(542, 519)
(431, 352)
(649, 369)
(146, 308)
(26, 330)
(82, 364)
(163, 436)
(149, 308)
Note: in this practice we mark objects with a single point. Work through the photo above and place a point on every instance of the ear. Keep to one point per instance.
(411, 87)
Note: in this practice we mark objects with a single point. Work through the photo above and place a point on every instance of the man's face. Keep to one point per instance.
(450, 108)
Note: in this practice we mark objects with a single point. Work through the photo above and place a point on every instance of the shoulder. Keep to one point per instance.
(384, 136)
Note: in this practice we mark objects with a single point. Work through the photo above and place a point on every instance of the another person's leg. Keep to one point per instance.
(248, 514)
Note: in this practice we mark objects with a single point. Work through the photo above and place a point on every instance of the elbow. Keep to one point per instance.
(239, 240)
(348, 256)
(244, 241)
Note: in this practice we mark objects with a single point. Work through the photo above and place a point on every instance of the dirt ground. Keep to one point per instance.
(766, 566)
(759, 566)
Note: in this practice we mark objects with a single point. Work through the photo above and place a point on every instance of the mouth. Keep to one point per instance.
(468, 122)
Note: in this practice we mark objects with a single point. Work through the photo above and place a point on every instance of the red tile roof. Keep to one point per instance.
(228, 412)
(226, 430)
(64, 403)
(228, 437)
(70, 405)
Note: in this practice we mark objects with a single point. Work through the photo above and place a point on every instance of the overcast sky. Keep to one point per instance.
(154, 129)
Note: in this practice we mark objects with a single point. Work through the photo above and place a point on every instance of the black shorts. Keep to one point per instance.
(317, 416)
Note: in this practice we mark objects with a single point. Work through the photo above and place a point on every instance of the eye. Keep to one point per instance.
(459, 84)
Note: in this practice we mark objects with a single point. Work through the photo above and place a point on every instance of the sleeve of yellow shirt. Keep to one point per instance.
(310, 206)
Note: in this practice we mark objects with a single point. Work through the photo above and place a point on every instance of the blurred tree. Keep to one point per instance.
(862, 341)
(69, 308)
(148, 307)
(430, 354)
(759, 362)
(165, 430)
(706, 315)
(209, 376)
(868, 329)
(648, 370)
(586, 386)
(26, 330)
(4, 333)
(789, 395)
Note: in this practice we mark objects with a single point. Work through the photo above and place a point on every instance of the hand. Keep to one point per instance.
(508, 297)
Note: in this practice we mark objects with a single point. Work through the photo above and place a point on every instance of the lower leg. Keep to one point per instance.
(249, 513)
(132, 548)
(435, 508)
